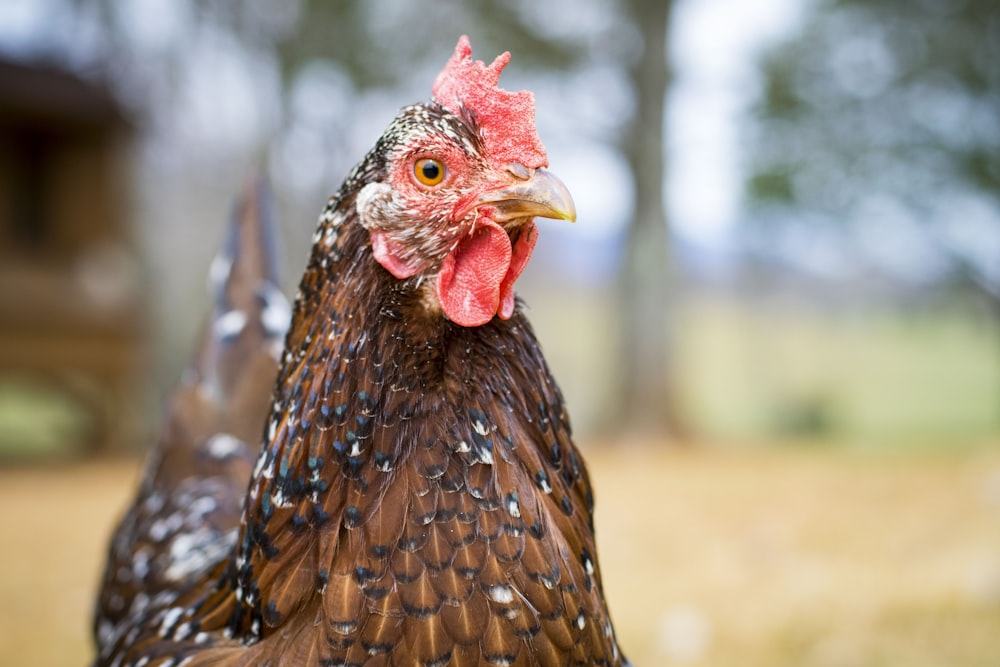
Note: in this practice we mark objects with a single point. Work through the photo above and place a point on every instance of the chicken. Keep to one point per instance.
(418, 499)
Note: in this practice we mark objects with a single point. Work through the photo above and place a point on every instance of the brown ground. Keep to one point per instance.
(710, 557)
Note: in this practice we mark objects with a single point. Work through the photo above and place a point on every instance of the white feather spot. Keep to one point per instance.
(230, 324)
(188, 554)
(169, 619)
(262, 459)
(514, 508)
(501, 594)
(183, 631)
(486, 456)
(277, 313)
(158, 530)
(202, 506)
(105, 631)
(218, 272)
(223, 445)
(280, 500)
(154, 503)
(139, 604)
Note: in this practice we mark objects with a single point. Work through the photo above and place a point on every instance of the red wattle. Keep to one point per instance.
(521, 253)
(476, 280)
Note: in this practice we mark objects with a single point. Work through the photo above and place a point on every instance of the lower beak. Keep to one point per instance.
(540, 196)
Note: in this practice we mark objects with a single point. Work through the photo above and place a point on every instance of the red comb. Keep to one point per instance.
(506, 120)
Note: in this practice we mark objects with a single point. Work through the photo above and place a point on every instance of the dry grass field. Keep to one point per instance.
(773, 557)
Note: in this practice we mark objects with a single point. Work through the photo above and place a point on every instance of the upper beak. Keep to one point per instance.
(541, 195)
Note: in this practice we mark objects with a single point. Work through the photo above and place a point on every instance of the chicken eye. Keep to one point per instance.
(428, 171)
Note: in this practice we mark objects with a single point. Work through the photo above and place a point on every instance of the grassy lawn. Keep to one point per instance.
(711, 556)
(783, 368)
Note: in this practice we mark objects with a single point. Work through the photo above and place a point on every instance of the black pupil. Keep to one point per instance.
(431, 170)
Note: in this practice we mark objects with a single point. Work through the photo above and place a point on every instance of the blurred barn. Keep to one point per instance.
(71, 306)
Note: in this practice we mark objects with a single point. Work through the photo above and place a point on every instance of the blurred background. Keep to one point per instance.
(776, 321)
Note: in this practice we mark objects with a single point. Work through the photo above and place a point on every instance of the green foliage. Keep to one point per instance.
(869, 375)
(878, 122)
(893, 97)
(378, 42)
(773, 185)
(38, 419)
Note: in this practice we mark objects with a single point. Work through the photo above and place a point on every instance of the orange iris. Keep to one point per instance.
(429, 171)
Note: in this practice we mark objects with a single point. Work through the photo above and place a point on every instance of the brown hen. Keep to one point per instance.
(418, 499)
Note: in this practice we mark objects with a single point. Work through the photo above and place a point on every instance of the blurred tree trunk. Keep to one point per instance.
(647, 401)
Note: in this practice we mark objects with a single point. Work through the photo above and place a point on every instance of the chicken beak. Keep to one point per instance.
(541, 195)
